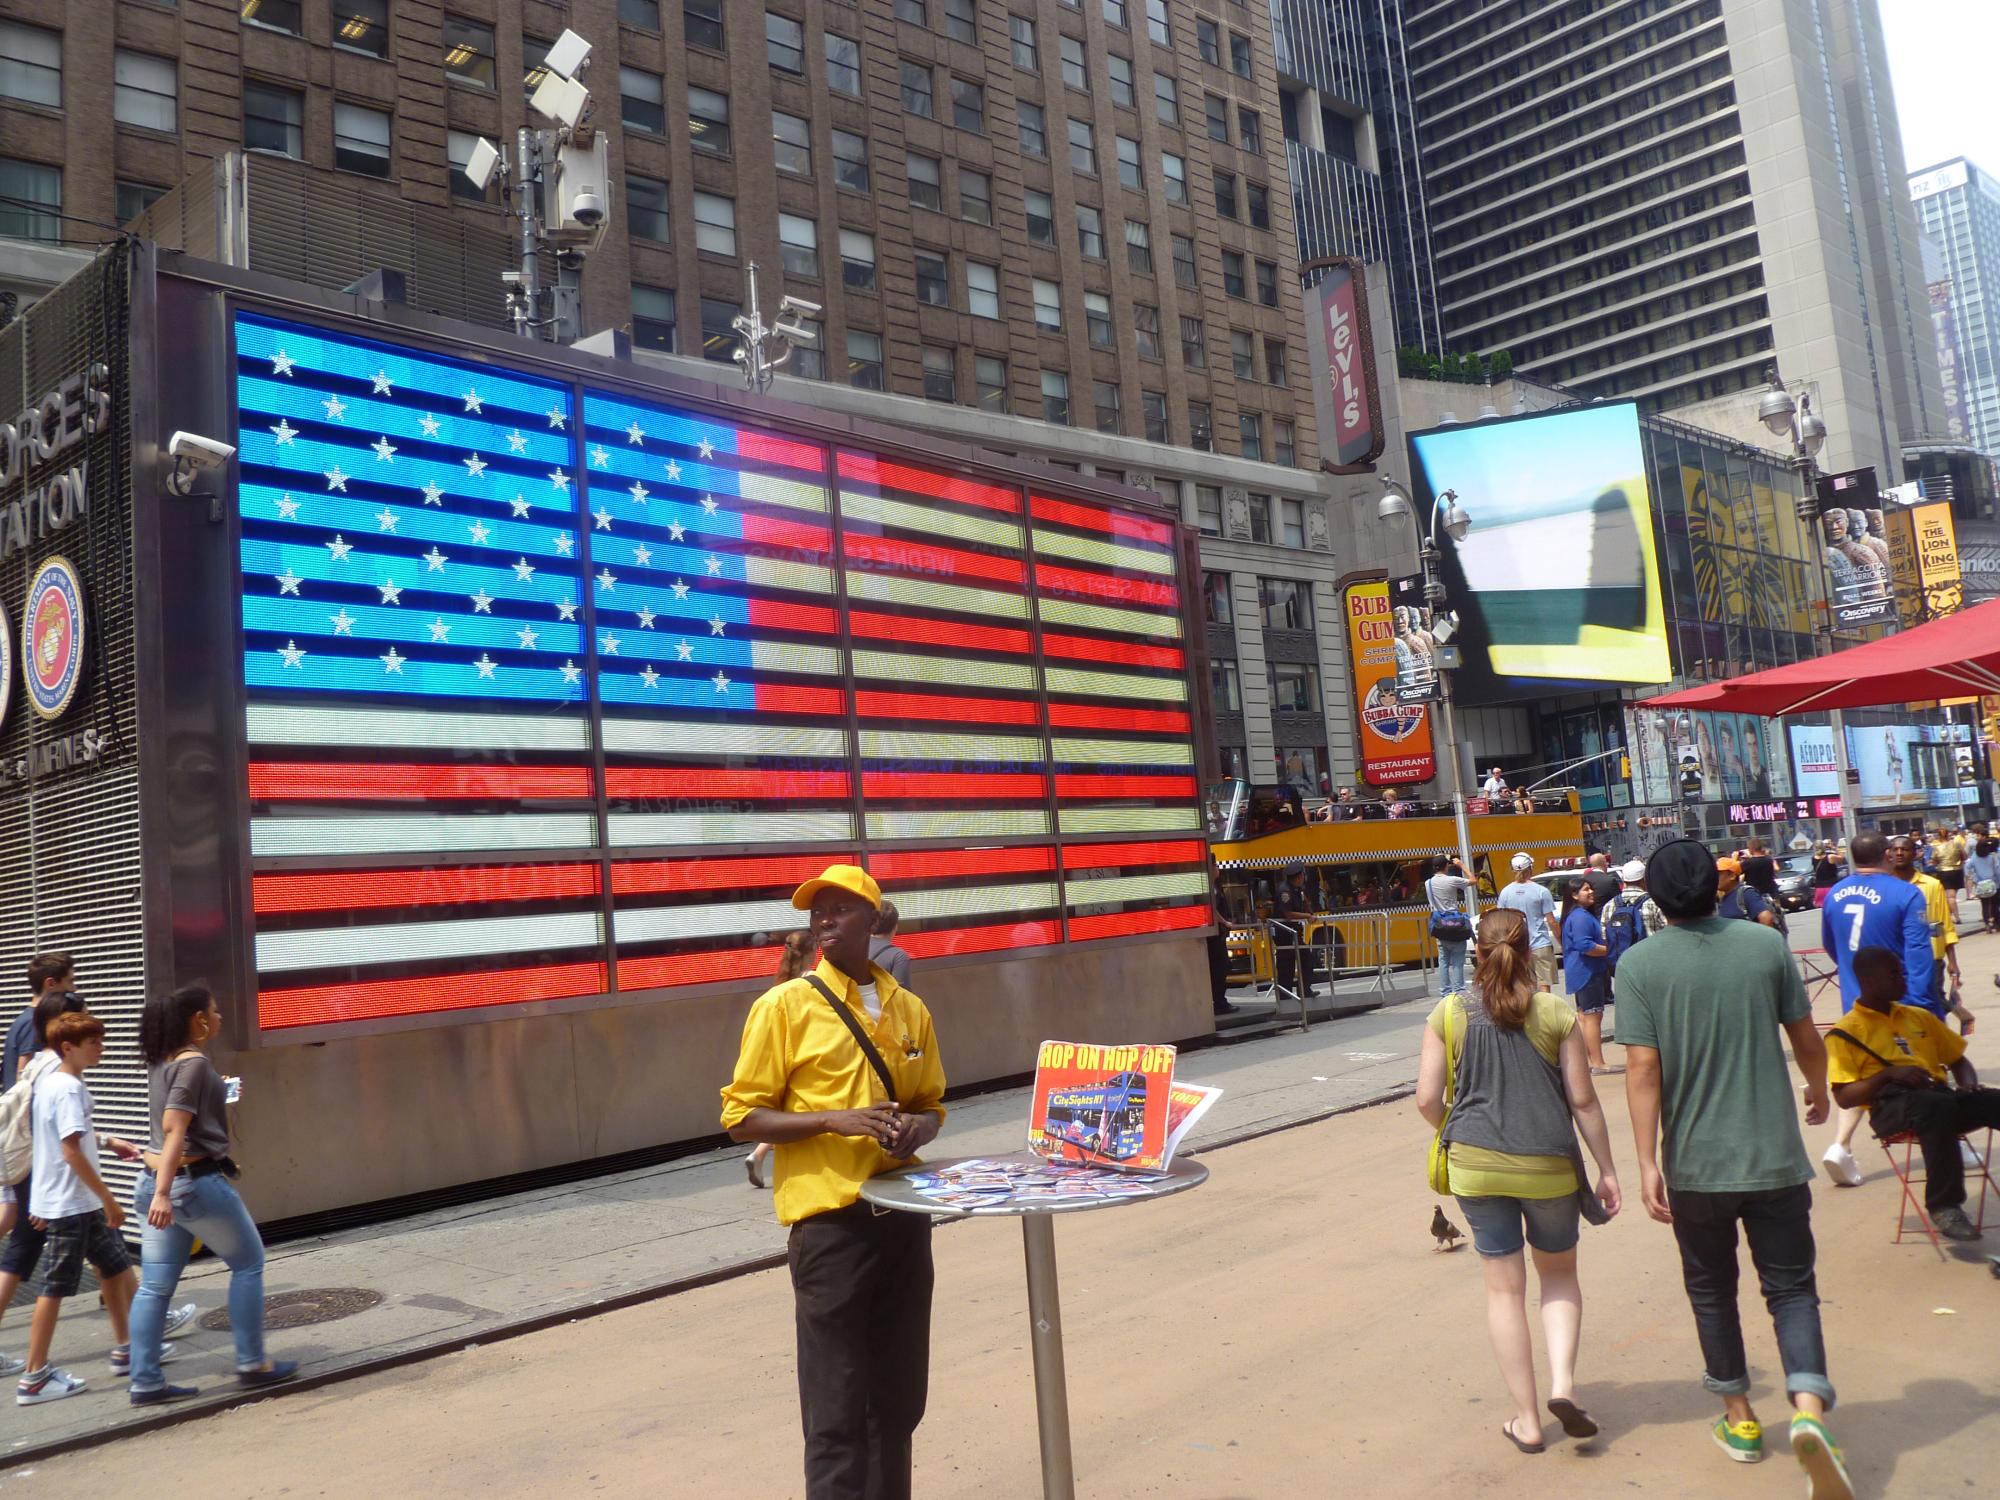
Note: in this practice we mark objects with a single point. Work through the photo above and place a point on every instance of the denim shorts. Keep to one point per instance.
(1552, 1223)
(72, 1241)
(1594, 996)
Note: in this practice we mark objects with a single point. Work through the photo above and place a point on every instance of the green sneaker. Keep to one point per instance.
(1742, 1441)
(1826, 1475)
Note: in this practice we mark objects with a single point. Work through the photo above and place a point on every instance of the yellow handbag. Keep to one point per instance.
(1440, 1162)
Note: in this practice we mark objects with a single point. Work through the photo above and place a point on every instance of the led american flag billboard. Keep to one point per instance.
(555, 692)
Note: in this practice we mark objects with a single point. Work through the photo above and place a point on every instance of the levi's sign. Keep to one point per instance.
(32, 446)
(1350, 398)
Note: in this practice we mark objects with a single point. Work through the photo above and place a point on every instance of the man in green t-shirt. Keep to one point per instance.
(1701, 1006)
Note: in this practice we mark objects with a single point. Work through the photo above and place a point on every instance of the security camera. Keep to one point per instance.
(796, 331)
(587, 208)
(800, 306)
(199, 452)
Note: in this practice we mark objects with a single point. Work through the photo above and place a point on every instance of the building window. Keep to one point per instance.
(1208, 38)
(1250, 130)
(1267, 283)
(1274, 362)
(916, 12)
(1158, 29)
(1201, 426)
(1041, 218)
(1130, 173)
(646, 211)
(715, 224)
(1295, 687)
(361, 140)
(1225, 686)
(864, 360)
(798, 246)
(1194, 344)
(644, 14)
(975, 196)
(785, 46)
(708, 121)
(843, 66)
(1208, 520)
(271, 119)
(1021, 30)
(1146, 329)
(1153, 410)
(361, 26)
(1225, 194)
(1239, 54)
(1217, 608)
(1033, 127)
(1185, 270)
(718, 332)
(968, 105)
(701, 25)
(458, 148)
(1120, 69)
(145, 91)
(1260, 518)
(1055, 397)
(1166, 99)
(30, 201)
(30, 64)
(1250, 429)
(642, 101)
(653, 318)
(1174, 169)
(926, 181)
(1082, 147)
(940, 374)
(1232, 273)
(1292, 531)
(1217, 111)
(1048, 306)
(982, 289)
(857, 260)
(1138, 247)
(276, 15)
(961, 20)
(1243, 354)
(933, 278)
(534, 54)
(792, 144)
(850, 161)
(1105, 396)
(1075, 71)
(1260, 205)
(1116, 13)
(1097, 319)
(808, 361)
(917, 98)
(468, 51)
(1090, 232)
(990, 376)
(1285, 442)
(133, 199)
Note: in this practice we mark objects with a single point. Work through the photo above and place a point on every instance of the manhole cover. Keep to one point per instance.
(297, 1309)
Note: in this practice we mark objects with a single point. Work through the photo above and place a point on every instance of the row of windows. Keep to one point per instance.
(1294, 687)
(145, 88)
(1284, 603)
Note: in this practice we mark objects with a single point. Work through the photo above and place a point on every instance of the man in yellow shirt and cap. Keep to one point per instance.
(839, 1071)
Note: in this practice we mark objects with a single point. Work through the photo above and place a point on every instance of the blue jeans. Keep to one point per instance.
(1451, 967)
(207, 1207)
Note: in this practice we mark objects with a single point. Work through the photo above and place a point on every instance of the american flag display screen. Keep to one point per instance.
(555, 692)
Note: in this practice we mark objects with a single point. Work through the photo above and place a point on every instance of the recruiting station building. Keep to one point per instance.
(470, 727)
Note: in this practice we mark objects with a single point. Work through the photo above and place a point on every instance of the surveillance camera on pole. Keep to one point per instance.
(571, 161)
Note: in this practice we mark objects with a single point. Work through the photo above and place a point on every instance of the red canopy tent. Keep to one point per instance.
(1956, 657)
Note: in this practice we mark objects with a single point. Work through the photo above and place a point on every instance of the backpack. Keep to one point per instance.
(1622, 928)
(17, 1143)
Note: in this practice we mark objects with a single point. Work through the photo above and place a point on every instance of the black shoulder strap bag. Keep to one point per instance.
(867, 1046)
(1901, 1109)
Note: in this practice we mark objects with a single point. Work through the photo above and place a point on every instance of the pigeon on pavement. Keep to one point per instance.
(1446, 1233)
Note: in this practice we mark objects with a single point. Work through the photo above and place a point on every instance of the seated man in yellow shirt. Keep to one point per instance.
(861, 1277)
(1894, 1059)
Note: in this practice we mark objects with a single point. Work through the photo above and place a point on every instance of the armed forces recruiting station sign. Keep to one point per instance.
(52, 638)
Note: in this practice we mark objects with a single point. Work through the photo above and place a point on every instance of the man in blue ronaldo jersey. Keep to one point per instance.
(1871, 908)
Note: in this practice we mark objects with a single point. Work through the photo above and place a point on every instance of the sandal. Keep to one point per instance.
(1507, 1432)
(1575, 1420)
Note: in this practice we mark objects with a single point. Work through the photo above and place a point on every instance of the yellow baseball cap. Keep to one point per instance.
(843, 877)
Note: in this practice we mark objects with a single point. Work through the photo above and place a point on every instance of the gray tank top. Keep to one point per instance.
(1507, 1096)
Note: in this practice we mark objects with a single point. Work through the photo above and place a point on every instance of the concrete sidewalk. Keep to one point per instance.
(483, 1271)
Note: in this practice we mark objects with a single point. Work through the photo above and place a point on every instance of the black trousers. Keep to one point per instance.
(1937, 1118)
(862, 1285)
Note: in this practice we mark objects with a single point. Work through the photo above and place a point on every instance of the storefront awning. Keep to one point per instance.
(1956, 657)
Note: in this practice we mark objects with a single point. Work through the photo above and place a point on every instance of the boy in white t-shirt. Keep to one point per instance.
(80, 1211)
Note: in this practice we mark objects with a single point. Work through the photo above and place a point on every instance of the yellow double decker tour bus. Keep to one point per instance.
(1365, 865)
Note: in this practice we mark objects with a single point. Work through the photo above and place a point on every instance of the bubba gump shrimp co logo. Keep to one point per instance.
(52, 638)
(1382, 714)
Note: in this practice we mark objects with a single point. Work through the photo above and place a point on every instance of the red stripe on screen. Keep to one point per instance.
(1119, 653)
(1115, 856)
(952, 785)
(711, 781)
(1127, 923)
(777, 531)
(322, 1005)
(1124, 786)
(927, 632)
(667, 970)
(931, 864)
(764, 448)
(662, 876)
(907, 477)
(1148, 720)
(942, 706)
(979, 939)
(1091, 518)
(779, 698)
(815, 619)
(334, 781)
(451, 886)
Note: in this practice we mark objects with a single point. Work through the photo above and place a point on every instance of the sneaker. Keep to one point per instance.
(281, 1370)
(50, 1384)
(1826, 1474)
(163, 1393)
(121, 1358)
(1742, 1441)
(9, 1365)
(1841, 1166)
(1953, 1224)
(179, 1319)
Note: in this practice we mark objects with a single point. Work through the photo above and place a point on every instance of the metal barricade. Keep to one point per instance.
(1290, 954)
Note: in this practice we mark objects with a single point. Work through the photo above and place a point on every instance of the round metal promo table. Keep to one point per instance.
(1038, 1234)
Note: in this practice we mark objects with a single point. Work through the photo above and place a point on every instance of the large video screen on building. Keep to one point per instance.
(1559, 578)
(555, 692)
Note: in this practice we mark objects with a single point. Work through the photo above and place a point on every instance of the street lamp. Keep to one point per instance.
(1456, 520)
(1794, 420)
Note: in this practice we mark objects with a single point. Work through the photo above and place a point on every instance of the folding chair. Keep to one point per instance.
(1910, 1175)
(1819, 974)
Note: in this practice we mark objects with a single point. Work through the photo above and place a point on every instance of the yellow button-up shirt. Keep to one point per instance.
(1937, 911)
(1905, 1035)
(799, 1057)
